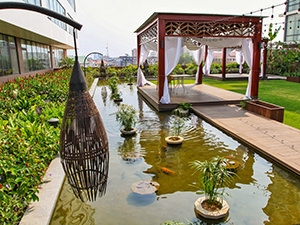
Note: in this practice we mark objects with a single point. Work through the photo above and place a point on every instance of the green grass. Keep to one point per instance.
(278, 92)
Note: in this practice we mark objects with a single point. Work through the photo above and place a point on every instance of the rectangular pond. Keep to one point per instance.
(262, 193)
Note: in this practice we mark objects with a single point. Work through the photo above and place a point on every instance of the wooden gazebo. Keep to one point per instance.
(161, 25)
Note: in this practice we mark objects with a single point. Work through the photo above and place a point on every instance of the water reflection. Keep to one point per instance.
(72, 210)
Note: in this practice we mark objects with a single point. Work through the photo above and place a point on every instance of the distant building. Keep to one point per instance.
(218, 57)
(292, 21)
(32, 43)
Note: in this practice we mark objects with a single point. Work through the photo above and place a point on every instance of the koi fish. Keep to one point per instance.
(167, 171)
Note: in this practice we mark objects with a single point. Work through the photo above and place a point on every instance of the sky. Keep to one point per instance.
(112, 22)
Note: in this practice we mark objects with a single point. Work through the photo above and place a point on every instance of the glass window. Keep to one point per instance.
(35, 56)
(8, 57)
(293, 5)
(58, 54)
(57, 7)
(72, 3)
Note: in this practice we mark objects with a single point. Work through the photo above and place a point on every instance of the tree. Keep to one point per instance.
(66, 62)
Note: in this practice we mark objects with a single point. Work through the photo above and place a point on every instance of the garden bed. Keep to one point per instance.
(293, 79)
(28, 142)
(266, 109)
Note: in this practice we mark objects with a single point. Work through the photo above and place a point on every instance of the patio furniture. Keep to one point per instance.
(180, 79)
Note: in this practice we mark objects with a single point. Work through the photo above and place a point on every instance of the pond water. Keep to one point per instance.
(262, 193)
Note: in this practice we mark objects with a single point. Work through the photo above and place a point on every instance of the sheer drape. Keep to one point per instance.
(173, 46)
(239, 58)
(247, 49)
(198, 56)
(145, 50)
(208, 62)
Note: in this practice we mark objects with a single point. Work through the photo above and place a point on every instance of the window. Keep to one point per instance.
(293, 5)
(34, 2)
(72, 3)
(8, 55)
(58, 54)
(36, 56)
(292, 29)
(57, 7)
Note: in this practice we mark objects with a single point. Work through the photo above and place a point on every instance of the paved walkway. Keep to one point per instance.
(275, 140)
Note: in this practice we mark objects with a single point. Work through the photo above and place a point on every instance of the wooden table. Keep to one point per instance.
(180, 79)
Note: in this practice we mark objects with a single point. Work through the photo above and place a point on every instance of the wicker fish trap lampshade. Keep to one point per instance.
(83, 141)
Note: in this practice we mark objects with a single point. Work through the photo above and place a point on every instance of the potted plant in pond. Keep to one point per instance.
(183, 109)
(113, 84)
(214, 177)
(130, 79)
(116, 97)
(176, 127)
(127, 117)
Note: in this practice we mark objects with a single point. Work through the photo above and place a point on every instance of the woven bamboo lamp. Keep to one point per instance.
(83, 141)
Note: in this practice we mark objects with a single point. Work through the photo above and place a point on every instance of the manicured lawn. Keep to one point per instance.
(278, 92)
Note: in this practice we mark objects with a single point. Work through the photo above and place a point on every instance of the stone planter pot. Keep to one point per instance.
(266, 109)
(170, 140)
(118, 99)
(218, 214)
(128, 133)
(293, 79)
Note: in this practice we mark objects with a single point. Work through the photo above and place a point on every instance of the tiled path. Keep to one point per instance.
(277, 141)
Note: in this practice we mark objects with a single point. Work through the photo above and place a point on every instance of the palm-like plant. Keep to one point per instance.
(126, 116)
(66, 62)
(214, 178)
(177, 125)
(113, 84)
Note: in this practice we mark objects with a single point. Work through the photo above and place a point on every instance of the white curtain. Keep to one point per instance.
(239, 58)
(145, 50)
(173, 46)
(199, 56)
(247, 49)
(262, 62)
(208, 62)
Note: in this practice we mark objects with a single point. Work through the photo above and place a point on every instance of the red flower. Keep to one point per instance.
(38, 161)
(0, 186)
(26, 164)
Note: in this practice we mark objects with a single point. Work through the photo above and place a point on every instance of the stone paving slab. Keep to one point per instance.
(273, 139)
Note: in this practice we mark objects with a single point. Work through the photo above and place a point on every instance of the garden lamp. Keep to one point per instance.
(83, 141)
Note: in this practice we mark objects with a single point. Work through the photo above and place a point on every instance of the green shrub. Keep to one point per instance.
(27, 142)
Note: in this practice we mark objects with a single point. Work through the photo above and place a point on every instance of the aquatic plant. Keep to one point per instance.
(126, 116)
(214, 178)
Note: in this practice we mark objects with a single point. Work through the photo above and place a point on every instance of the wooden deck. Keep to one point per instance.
(194, 94)
(277, 141)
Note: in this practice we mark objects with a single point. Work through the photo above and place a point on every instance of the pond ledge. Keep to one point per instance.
(40, 212)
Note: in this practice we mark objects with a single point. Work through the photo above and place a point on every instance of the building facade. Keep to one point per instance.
(292, 21)
(32, 43)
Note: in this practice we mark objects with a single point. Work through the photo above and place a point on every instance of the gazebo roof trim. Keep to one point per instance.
(156, 14)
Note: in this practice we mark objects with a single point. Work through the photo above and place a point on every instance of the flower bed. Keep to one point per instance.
(27, 142)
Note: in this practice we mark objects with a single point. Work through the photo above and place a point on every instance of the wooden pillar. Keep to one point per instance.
(52, 57)
(138, 55)
(200, 73)
(161, 57)
(265, 54)
(20, 56)
(256, 62)
(224, 64)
